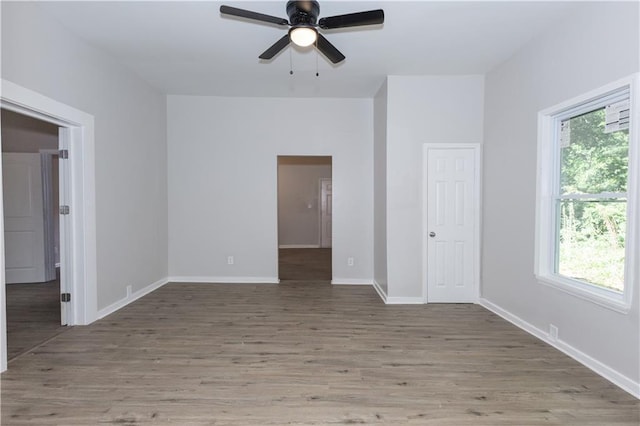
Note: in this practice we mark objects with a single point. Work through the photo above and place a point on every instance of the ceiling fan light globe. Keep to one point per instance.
(303, 36)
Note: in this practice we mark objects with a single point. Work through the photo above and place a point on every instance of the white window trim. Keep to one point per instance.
(546, 173)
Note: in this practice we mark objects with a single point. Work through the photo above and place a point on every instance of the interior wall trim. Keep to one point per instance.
(351, 281)
(131, 298)
(380, 291)
(224, 280)
(395, 300)
(618, 379)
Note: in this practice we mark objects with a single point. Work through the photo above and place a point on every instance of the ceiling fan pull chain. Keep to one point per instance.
(317, 73)
(290, 62)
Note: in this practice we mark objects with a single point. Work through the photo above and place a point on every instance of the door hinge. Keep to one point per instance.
(63, 154)
(65, 297)
(64, 209)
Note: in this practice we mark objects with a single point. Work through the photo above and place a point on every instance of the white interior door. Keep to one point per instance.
(326, 202)
(23, 218)
(452, 209)
(51, 207)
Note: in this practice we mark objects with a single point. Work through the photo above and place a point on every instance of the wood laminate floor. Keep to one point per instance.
(295, 354)
(310, 264)
(33, 315)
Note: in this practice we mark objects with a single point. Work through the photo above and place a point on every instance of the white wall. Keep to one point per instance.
(380, 188)
(130, 141)
(597, 45)
(223, 182)
(421, 109)
(299, 203)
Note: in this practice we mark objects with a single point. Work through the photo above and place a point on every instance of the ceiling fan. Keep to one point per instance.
(304, 23)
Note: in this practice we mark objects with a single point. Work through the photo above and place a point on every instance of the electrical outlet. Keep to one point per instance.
(553, 332)
(349, 261)
(230, 260)
(129, 290)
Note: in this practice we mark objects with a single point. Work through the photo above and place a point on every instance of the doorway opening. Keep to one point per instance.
(31, 177)
(304, 218)
(78, 249)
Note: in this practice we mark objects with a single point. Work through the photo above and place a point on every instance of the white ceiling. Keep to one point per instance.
(189, 48)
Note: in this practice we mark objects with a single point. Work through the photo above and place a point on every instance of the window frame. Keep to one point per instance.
(548, 169)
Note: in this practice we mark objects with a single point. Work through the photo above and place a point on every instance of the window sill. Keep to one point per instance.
(607, 299)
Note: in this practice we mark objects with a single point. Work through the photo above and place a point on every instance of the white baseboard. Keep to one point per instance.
(596, 366)
(350, 281)
(297, 246)
(394, 300)
(131, 298)
(380, 291)
(225, 280)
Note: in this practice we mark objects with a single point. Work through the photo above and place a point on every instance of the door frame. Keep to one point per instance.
(321, 240)
(77, 132)
(477, 155)
(46, 157)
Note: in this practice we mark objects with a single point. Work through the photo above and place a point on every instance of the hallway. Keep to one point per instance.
(307, 264)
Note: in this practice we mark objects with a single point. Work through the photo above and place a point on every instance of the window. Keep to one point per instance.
(586, 224)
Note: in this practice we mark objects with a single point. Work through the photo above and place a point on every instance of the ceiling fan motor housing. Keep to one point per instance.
(303, 13)
(304, 24)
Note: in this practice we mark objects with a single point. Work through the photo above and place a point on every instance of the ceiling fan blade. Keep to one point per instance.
(242, 13)
(329, 50)
(275, 48)
(371, 17)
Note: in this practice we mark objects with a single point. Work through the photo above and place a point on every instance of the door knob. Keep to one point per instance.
(432, 234)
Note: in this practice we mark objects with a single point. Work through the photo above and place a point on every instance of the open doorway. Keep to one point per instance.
(304, 218)
(31, 231)
(77, 188)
